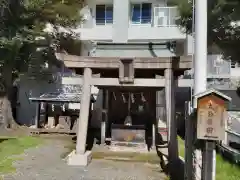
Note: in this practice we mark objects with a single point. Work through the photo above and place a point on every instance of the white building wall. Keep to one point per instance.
(122, 30)
(235, 72)
(188, 45)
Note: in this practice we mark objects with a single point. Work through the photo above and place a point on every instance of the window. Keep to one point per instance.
(104, 14)
(141, 13)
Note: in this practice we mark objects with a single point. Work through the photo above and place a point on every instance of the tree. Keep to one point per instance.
(223, 21)
(22, 27)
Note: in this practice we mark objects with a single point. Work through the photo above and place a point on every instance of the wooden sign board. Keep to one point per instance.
(211, 116)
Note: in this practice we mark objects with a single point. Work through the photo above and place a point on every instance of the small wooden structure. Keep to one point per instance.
(53, 109)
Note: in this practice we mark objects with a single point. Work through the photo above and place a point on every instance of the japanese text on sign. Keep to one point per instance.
(210, 121)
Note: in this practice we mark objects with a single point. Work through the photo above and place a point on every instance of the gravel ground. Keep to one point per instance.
(45, 163)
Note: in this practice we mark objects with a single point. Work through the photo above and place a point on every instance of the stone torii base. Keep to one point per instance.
(76, 159)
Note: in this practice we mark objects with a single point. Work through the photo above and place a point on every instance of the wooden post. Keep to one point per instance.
(170, 115)
(108, 122)
(160, 109)
(160, 105)
(210, 127)
(104, 116)
(189, 127)
(84, 112)
(225, 142)
(37, 115)
(153, 135)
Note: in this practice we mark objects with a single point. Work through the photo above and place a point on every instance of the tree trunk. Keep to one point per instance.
(6, 97)
(6, 113)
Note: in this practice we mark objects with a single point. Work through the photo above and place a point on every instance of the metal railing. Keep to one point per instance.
(165, 16)
(220, 69)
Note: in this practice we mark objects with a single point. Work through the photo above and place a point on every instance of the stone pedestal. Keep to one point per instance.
(51, 122)
(128, 135)
(75, 159)
(128, 138)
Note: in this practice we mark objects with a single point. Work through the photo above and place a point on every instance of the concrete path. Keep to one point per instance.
(45, 163)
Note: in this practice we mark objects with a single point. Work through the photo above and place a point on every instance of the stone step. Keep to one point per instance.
(135, 149)
(127, 156)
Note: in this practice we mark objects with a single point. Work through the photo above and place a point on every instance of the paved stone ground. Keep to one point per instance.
(45, 163)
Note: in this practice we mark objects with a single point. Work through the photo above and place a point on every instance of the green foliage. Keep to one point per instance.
(226, 170)
(222, 33)
(22, 23)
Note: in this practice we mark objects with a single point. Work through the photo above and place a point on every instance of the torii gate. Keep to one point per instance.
(121, 72)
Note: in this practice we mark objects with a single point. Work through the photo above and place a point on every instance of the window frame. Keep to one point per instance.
(141, 6)
(106, 20)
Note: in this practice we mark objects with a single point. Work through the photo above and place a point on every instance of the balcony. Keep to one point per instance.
(159, 24)
(165, 16)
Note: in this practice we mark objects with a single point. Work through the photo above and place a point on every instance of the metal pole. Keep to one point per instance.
(214, 161)
(200, 64)
(208, 167)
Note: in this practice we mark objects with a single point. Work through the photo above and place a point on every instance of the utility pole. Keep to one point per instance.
(200, 58)
(200, 67)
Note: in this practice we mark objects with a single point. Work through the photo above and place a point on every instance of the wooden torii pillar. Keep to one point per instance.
(170, 85)
(81, 156)
(104, 115)
(160, 109)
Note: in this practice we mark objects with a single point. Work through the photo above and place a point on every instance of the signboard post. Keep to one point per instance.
(211, 119)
